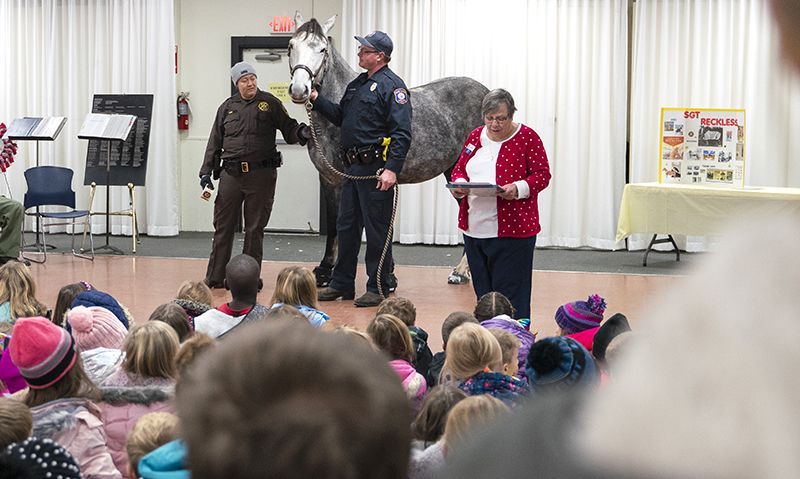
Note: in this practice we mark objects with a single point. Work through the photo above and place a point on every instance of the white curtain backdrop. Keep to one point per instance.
(564, 61)
(56, 54)
(713, 54)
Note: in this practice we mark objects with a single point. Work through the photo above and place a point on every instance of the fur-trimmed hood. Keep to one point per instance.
(135, 395)
(60, 415)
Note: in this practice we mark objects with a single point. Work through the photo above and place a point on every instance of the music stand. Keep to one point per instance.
(110, 128)
(29, 128)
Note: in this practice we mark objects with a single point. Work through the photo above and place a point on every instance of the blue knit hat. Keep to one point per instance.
(104, 300)
(559, 363)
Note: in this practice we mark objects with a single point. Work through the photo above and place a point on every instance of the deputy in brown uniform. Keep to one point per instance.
(241, 153)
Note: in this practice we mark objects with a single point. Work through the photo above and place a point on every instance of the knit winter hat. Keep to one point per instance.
(42, 351)
(241, 69)
(95, 327)
(104, 300)
(613, 327)
(579, 315)
(559, 363)
(38, 458)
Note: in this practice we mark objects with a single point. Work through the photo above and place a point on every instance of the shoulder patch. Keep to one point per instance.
(263, 106)
(400, 96)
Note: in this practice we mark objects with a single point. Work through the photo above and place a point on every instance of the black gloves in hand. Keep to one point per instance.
(303, 134)
(205, 181)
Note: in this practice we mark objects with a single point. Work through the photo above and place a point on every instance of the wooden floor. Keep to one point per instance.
(142, 283)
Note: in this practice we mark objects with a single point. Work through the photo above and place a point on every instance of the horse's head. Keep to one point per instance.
(308, 51)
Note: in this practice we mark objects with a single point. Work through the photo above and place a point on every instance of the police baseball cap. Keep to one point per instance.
(241, 69)
(377, 41)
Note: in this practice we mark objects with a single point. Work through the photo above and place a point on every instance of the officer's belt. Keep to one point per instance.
(363, 155)
(237, 167)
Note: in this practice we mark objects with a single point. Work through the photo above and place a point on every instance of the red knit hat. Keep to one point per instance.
(42, 351)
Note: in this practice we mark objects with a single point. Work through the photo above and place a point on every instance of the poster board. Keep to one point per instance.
(129, 158)
(702, 146)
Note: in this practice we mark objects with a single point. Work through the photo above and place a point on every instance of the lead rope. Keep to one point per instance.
(376, 176)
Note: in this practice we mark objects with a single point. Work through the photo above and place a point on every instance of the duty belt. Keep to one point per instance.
(364, 155)
(236, 167)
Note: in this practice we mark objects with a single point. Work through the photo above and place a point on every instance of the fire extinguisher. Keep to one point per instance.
(183, 111)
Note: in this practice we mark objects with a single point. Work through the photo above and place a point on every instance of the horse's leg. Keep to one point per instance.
(460, 274)
(324, 271)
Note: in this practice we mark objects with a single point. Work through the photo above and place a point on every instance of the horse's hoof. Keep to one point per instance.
(457, 278)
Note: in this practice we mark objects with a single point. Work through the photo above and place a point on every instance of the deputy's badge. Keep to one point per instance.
(373, 87)
(263, 106)
(401, 96)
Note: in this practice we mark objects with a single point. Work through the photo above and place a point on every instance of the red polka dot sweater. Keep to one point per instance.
(522, 157)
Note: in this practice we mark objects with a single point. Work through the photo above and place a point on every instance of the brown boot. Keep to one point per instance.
(368, 299)
(330, 294)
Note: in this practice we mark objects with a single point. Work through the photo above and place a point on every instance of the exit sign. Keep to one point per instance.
(282, 24)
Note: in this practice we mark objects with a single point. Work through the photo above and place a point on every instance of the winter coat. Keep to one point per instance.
(437, 363)
(100, 363)
(585, 337)
(10, 375)
(413, 383)
(215, 323)
(422, 353)
(166, 462)
(77, 424)
(122, 407)
(428, 463)
(316, 317)
(526, 338)
(508, 389)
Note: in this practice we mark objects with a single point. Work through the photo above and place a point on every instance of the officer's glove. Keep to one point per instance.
(303, 134)
(205, 182)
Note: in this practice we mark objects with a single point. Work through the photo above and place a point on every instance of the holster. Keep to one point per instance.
(217, 169)
(364, 155)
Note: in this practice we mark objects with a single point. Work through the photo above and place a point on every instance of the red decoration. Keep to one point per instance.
(8, 152)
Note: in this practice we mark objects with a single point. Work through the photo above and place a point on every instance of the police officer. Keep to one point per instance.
(241, 153)
(375, 119)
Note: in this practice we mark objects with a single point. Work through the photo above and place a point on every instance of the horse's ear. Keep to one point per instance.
(298, 19)
(326, 27)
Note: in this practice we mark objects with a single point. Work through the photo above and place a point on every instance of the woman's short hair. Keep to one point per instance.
(16, 422)
(429, 424)
(493, 99)
(196, 291)
(150, 350)
(150, 432)
(295, 285)
(390, 335)
(468, 417)
(175, 317)
(470, 349)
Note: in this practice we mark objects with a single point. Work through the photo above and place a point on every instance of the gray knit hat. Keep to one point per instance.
(241, 69)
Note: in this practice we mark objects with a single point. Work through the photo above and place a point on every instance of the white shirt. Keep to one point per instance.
(482, 167)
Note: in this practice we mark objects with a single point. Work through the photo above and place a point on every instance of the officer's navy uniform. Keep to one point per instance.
(241, 152)
(372, 108)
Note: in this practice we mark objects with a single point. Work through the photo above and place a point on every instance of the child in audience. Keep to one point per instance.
(285, 312)
(26, 460)
(66, 295)
(407, 312)
(98, 335)
(60, 395)
(613, 327)
(16, 422)
(93, 297)
(495, 302)
(580, 320)
(11, 380)
(464, 421)
(247, 412)
(451, 322)
(428, 427)
(296, 286)
(150, 350)
(197, 345)
(475, 361)
(195, 298)
(391, 336)
(351, 332)
(176, 318)
(18, 293)
(151, 431)
(242, 279)
(509, 347)
(559, 363)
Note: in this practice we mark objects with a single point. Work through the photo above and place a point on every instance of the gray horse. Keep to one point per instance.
(445, 111)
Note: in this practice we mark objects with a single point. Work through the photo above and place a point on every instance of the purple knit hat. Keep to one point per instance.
(579, 315)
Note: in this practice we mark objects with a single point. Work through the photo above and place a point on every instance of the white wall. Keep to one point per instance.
(204, 30)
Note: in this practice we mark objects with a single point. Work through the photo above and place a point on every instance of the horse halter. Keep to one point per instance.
(312, 75)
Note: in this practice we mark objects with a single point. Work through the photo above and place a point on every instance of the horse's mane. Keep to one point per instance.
(313, 28)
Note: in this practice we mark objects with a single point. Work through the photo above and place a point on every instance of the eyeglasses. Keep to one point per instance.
(364, 51)
(498, 119)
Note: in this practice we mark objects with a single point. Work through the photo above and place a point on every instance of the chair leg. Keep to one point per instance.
(91, 240)
(44, 247)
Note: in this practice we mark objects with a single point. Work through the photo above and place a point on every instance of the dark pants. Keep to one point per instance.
(256, 190)
(362, 207)
(504, 265)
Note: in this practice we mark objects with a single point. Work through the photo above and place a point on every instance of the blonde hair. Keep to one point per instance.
(295, 286)
(508, 344)
(150, 350)
(350, 331)
(150, 432)
(191, 349)
(196, 291)
(18, 288)
(468, 415)
(403, 308)
(390, 335)
(470, 349)
(16, 422)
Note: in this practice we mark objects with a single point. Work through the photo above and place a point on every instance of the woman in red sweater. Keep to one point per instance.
(500, 231)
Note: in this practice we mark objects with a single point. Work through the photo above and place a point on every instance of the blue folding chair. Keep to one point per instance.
(52, 186)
